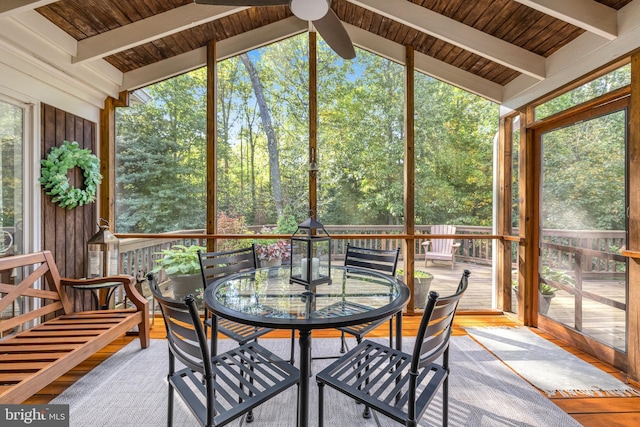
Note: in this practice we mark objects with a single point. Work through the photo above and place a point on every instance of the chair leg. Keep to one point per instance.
(249, 418)
(214, 337)
(170, 407)
(172, 366)
(298, 400)
(366, 413)
(293, 347)
(445, 402)
(320, 404)
(343, 343)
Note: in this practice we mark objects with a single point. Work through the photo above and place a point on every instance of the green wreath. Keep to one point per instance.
(54, 175)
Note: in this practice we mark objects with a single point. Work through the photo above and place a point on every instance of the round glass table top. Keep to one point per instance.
(264, 297)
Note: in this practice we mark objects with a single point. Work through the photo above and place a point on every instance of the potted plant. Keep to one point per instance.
(545, 291)
(182, 266)
(421, 283)
(272, 254)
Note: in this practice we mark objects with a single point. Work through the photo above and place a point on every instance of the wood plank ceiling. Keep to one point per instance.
(496, 41)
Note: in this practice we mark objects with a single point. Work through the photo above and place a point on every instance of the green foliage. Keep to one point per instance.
(179, 260)
(161, 158)
(161, 151)
(11, 153)
(54, 175)
(227, 224)
(584, 175)
(607, 83)
(547, 289)
(554, 275)
(287, 223)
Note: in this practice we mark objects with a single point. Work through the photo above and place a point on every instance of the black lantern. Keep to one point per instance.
(102, 253)
(310, 254)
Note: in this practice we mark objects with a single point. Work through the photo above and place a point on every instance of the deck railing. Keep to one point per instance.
(594, 251)
(599, 248)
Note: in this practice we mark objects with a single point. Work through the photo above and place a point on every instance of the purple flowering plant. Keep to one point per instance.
(272, 249)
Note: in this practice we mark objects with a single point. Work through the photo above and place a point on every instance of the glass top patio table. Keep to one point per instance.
(264, 297)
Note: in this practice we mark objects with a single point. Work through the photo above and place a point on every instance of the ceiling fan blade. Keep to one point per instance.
(243, 2)
(336, 36)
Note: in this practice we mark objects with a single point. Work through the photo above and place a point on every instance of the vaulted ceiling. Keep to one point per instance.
(509, 51)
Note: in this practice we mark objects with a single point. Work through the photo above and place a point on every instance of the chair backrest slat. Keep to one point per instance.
(383, 261)
(432, 339)
(185, 330)
(215, 265)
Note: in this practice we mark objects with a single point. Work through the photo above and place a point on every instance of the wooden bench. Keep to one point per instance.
(50, 339)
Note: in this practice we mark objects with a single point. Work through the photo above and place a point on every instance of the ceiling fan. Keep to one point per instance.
(317, 11)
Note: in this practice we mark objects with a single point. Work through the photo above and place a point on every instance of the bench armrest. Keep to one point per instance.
(127, 282)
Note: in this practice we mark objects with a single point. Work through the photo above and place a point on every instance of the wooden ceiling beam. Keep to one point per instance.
(578, 58)
(586, 14)
(458, 34)
(49, 50)
(225, 48)
(149, 29)
(14, 7)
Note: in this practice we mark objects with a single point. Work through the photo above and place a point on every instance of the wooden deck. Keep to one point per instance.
(599, 321)
(589, 411)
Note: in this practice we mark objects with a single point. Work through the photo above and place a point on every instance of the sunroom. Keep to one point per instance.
(513, 121)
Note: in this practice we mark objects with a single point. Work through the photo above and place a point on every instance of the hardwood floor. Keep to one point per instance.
(589, 411)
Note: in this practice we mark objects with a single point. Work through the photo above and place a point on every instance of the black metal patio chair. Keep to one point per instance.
(396, 384)
(382, 261)
(216, 265)
(220, 388)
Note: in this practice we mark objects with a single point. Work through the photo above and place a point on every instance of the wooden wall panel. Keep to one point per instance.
(65, 232)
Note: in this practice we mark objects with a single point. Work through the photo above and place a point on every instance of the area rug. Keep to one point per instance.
(546, 365)
(129, 389)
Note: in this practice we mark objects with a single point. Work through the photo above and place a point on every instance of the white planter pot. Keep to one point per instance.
(421, 287)
(274, 262)
(185, 284)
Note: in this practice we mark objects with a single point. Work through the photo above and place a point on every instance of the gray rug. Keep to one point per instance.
(129, 389)
(547, 366)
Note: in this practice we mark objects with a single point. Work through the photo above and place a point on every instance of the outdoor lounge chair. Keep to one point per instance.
(396, 384)
(441, 249)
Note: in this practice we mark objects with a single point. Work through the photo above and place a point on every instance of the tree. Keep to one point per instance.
(160, 153)
(272, 141)
(262, 138)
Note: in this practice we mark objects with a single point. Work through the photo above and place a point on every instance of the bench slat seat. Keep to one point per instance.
(62, 339)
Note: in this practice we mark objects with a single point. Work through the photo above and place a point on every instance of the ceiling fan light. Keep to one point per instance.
(309, 10)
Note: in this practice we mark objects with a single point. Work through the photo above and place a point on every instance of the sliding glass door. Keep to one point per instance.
(582, 275)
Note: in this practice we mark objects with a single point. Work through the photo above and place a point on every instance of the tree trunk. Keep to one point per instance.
(272, 142)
